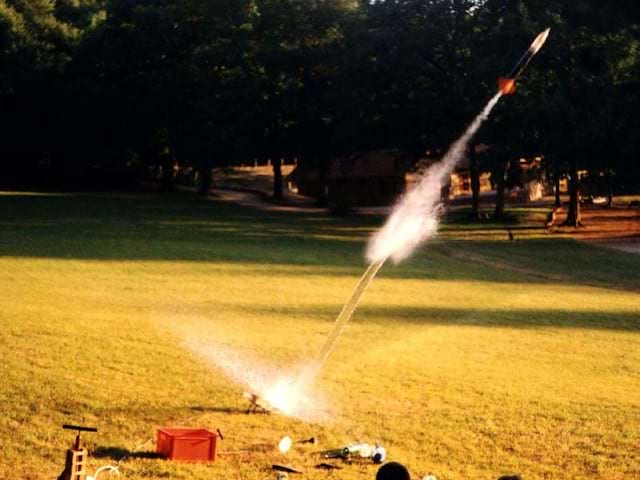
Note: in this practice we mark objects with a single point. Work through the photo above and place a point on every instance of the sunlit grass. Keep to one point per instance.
(471, 360)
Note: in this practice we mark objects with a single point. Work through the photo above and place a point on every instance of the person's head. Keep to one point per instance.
(393, 471)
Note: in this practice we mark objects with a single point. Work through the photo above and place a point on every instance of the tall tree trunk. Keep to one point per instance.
(277, 177)
(323, 173)
(204, 174)
(167, 173)
(556, 181)
(574, 216)
(475, 184)
(498, 213)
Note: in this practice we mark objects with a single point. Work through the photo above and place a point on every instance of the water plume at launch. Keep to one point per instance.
(415, 217)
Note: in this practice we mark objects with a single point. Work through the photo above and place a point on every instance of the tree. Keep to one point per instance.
(130, 83)
(298, 50)
(36, 47)
(564, 111)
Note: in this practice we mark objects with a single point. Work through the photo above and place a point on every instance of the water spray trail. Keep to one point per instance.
(268, 381)
(415, 217)
(341, 321)
(413, 220)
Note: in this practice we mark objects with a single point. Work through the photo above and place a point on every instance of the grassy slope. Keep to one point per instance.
(472, 359)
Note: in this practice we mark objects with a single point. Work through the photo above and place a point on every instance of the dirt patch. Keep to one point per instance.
(614, 227)
(603, 223)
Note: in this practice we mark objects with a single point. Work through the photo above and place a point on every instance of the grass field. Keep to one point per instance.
(475, 358)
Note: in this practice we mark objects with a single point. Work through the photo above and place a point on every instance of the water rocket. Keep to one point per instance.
(507, 85)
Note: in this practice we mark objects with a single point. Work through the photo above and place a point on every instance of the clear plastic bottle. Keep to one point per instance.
(363, 450)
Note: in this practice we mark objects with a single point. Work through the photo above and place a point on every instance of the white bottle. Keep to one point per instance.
(379, 454)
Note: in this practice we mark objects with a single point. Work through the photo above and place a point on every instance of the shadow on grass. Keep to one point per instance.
(119, 453)
(182, 227)
(215, 409)
(157, 414)
(512, 318)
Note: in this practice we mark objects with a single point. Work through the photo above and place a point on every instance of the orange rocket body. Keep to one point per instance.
(507, 86)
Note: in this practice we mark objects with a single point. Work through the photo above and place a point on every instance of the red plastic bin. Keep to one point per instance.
(187, 444)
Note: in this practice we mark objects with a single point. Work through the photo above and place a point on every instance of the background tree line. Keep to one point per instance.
(113, 86)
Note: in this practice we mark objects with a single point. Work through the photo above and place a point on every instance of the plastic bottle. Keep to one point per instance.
(363, 450)
(379, 454)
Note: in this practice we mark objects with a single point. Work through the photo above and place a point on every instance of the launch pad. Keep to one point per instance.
(258, 404)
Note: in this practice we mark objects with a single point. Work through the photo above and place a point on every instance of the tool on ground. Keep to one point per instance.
(285, 468)
(311, 440)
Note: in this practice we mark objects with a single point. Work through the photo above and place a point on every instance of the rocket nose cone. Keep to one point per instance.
(545, 34)
(539, 41)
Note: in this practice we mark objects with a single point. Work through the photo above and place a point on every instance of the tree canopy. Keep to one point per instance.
(127, 84)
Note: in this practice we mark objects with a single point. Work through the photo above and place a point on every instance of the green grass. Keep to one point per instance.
(477, 357)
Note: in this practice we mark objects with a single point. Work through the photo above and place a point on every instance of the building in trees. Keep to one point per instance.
(367, 179)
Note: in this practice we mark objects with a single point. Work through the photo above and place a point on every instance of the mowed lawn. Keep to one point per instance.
(473, 359)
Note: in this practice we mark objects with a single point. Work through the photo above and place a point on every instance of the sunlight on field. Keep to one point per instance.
(458, 369)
